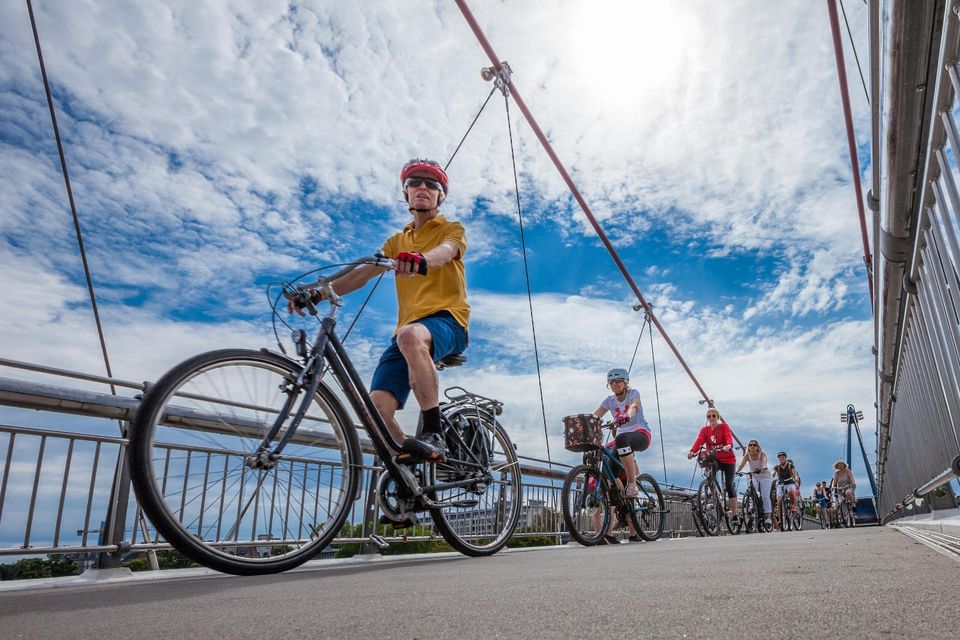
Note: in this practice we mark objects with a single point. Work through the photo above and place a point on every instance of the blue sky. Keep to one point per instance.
(216, 147)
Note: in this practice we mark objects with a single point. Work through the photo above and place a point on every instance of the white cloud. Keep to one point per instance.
(191, 127)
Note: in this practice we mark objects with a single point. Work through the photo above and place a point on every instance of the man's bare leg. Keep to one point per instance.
(387, 405)
(415, 342)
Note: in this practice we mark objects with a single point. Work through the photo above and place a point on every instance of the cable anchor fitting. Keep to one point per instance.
(501, 77)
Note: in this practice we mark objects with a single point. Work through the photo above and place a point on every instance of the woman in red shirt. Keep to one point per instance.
(716, 436)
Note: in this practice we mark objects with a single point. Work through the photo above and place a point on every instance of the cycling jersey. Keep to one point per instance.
(785, 473)
(617, 408)
(713, 438)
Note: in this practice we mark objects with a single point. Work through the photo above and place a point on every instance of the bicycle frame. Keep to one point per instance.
(327, 348)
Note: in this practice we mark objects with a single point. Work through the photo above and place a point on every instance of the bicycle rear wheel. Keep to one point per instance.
(194, 467)
(648, 508)
(710, 510)
(585, 502)
(477, 519)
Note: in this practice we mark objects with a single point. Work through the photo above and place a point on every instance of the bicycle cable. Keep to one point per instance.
(275, 302)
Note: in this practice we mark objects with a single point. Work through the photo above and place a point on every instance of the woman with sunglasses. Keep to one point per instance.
(633, 435)
(760, 474)
(716, 436)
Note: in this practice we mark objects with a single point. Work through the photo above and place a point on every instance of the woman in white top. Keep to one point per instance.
(757, 460)
(843, 480)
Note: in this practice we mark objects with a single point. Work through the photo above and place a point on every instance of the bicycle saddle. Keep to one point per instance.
(452, 360)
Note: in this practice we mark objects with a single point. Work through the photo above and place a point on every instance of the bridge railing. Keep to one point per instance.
(918, 238)
(65, 492)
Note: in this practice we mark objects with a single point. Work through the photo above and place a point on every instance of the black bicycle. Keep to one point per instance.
(248, 462)
(594, 502)
(752, 516)
(710, 502)
(788, 518)
(843, 514)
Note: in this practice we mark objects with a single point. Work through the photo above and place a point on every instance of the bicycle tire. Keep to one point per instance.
(709, 511)
(847, 515)
(749, 514)
(648, 508)
(584, 494)
(479, 519)
(226, 401)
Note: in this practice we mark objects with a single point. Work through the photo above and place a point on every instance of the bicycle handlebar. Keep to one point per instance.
(302, 295)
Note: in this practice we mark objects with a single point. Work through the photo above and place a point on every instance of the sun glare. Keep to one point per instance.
(628, 49)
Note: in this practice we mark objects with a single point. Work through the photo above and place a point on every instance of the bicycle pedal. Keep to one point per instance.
(407, 458)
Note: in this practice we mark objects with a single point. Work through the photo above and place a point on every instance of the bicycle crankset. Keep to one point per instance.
(393, 506)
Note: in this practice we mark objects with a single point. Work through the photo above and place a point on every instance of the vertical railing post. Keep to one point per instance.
(369, 525)
(115, 524)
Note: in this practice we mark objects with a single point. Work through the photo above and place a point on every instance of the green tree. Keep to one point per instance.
(53, 566)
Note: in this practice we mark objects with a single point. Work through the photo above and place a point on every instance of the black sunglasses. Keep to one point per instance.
(433, 185)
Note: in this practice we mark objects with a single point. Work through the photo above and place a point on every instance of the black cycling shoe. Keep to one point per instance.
(429, 447)
(608, 539)
(635, 539)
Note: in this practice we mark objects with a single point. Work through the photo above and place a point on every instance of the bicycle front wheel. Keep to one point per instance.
(750, 514)
(479, 518)
(648, 508)
(585, 503)
(710, 511)
(198, 474)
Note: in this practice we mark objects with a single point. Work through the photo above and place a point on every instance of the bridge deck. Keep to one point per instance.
(868, 582)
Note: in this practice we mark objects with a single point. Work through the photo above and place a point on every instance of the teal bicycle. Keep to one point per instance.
(593, 499)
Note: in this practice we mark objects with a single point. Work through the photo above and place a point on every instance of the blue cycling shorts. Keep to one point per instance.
(446, 336)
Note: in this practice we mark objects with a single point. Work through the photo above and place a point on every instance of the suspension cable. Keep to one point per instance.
(73, 206)
(656, 391)
(855, 56)
(646, 321)
(526, 274)
(851, 142)
(498, 66)
(362, 307)
(470, 128)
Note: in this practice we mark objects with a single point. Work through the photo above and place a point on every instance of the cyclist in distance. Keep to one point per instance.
(787, 480)
(843, 477)
(757, 459)
(822, 499)
(716, 435)
(799, 501)
(633, 432)
(433, 314)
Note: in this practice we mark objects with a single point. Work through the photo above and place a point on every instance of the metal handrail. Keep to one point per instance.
(121, 534)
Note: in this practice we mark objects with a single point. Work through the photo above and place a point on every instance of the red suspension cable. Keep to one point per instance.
(851, 139)
(495, 60)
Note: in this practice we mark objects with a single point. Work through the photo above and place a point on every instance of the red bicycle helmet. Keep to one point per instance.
(423, 166)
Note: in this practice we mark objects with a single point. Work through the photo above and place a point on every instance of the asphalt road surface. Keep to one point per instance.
(863, 583)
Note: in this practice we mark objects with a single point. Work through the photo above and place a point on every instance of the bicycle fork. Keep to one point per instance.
(265, 457)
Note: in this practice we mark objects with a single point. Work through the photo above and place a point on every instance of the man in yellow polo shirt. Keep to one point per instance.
(433, 315)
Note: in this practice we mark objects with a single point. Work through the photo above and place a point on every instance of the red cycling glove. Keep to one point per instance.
(415, 259)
